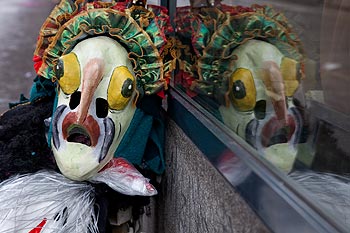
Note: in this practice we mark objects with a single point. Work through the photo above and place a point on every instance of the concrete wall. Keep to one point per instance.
(194, 197)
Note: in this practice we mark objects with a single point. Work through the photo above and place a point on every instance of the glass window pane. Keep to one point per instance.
(276, 75)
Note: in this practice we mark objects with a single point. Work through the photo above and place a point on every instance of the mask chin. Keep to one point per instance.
(81, 150)
(81, 166)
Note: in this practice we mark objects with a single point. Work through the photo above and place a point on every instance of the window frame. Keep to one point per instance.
(287, 196)
(290, 200)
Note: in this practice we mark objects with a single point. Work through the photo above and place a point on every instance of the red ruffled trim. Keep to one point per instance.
(161, 94)
(235, 10)
(120, 6)
(38, 61)
(185, 80)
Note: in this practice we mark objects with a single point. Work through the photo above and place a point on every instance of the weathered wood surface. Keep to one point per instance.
(195, 197)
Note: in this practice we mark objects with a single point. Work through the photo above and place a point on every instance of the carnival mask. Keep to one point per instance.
(94, 107)
(260, 108)
(248, 62)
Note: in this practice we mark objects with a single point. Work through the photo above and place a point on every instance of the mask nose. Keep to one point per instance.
(276, 91)
(92, 75)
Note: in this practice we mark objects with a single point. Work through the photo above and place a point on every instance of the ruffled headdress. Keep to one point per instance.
(143, 32)
(207, 38)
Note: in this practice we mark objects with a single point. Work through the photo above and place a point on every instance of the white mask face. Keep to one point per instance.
(95, 106)
(247, 87)
(261, 109)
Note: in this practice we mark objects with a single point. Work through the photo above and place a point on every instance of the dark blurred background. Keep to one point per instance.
(21, 21)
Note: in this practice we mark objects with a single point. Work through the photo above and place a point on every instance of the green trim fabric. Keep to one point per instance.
(142, 31)
(208, 37)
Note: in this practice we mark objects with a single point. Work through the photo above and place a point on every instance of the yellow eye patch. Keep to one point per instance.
(289, 68)
(121, 88)
(67, 72)
(242, 90)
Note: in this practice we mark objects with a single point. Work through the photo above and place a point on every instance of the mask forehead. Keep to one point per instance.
(104, 48)
(85, 115)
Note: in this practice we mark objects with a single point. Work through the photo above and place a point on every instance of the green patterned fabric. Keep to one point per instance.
(142, 31)
(208, 37)
(263, 24)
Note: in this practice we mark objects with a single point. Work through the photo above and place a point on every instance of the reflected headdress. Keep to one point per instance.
(207, 38)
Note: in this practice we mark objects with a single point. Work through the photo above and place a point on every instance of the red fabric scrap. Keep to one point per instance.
(39, 227)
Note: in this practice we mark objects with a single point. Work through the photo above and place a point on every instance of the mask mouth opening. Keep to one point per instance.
(86, 133)
(275, 133)
(78, 134)
(271, 132)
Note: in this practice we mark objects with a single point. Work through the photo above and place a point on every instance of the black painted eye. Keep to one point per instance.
(238, 89)
(101, 108)
(127, 88)
(59, 69)
(260, 109)
(74, 100)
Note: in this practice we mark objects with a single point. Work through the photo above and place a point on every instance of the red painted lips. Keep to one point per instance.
(275, 132)
(86, 133)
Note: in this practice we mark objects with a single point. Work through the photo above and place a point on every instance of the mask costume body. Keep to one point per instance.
(100, 65)
(249, 61)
